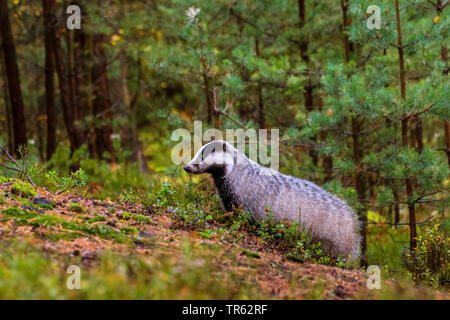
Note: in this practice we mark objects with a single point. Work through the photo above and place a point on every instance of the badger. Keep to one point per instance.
(241, 182)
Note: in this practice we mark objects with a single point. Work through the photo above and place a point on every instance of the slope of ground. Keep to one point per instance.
(129, 251)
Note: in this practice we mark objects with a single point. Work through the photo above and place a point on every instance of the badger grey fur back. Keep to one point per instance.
(254, 188)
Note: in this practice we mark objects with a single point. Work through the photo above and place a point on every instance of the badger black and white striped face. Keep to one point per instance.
(215, 157)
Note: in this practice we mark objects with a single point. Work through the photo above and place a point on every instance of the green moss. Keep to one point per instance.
(251, 254)
(96, 219)
(68, 236)
(126, 215)
(5, 179)
(76, 207)
(21, 217)
(45, 206)
(129, 230)
(46, 220)
(31, 274)
(140, 218)
(17, 212)
(23, 189)
(104, 231)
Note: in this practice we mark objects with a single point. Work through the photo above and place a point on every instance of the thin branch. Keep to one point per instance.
(21, 169)
(219, 111)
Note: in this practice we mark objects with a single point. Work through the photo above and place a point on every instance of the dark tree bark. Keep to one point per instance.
(302, 18)
(359, 177)
(260, 114)
(308, 90)
(408, 182)
(102, 106)
(79, 73)
(9, 121)
(74, 134)
(447, 140)
(396, 209)
(75, 40)
(12, 74)
(212, 114)
(444, 58)
(360, 188)
(348, 45)
(49, 83)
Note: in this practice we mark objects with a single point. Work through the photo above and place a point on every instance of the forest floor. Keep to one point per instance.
(49, 231)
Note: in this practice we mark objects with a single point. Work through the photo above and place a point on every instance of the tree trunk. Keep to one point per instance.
(360, 188)
(8, 112)
(49, 84)
(359, 177)
(409, 185)
(447, 140)
(12, 74)
(212, 114)
(102, 106)
(131, 136)
(63, 80)
(444, 58)
(308, 90)
(348, 45)
(261, 118)
(302, 18)
(79, 73)
(396, 209)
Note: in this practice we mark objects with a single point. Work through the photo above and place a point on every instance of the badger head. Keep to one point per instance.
(216, 157)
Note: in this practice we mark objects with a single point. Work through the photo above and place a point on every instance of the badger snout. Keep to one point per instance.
(191, 168)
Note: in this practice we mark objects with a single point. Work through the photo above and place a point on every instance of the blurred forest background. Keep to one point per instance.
(362, 112)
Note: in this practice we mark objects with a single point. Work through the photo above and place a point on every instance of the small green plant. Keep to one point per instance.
(140, 218)
(126, 215)
(129, 196)
(74, 182)
(430, 262)
(76, 207)
(207, 234)
(112, 210)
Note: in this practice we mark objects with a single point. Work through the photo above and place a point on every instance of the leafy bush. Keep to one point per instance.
(430, 262)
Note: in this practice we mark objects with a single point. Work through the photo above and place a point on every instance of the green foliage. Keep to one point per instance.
(126, 215)
(5, 179)
(75, 181)
(430, 262)
(23, 189)
(261, 57)
(26, 273)
(141, 219)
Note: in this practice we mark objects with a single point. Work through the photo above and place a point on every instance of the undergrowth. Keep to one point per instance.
(25, 273)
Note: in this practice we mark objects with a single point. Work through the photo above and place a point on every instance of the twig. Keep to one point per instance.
(21, 169)
(219, 111)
